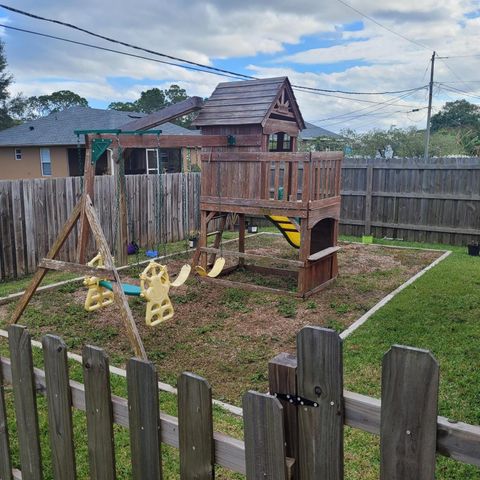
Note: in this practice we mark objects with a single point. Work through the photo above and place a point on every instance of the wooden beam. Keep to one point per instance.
(61, 266)
(231, 253)
(166, 114)
(54, 249)
(247, 286)
(119, 296)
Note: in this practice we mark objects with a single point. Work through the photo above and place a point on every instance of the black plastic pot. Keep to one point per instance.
(474, 250)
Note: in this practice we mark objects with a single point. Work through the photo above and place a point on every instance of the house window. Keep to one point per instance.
(152, 161)
(45, 162)
(18, 154)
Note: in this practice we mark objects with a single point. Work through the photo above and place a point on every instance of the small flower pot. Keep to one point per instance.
(474, 250)
(193, 242)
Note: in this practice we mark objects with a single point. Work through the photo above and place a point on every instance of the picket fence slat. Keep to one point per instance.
(101, 452)
(408, 429)
(320, 380)
(144, 420)
(59, 407)
(5, 462)
(25, 400)
(195, 425)
(264, 437)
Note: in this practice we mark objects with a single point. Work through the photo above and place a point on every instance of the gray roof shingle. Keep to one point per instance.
(57, 128)
(313, 131)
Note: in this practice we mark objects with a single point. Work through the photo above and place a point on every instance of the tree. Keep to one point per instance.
(155, 99)
(459, 113)
(5, 81)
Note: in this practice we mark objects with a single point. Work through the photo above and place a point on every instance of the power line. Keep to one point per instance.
(415, 42)
(54, 37)
(196, 64)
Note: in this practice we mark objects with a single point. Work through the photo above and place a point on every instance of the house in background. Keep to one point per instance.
(315, 138)
(47, 147)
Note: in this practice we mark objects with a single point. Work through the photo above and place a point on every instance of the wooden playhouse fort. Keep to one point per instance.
(265, 176)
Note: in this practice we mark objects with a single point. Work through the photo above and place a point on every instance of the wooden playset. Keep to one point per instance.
(248, 137)
(298, 192)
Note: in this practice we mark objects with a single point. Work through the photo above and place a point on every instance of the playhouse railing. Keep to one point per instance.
(297, 435)
(284, 177)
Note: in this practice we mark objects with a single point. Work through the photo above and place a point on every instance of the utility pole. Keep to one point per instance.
(429, 114)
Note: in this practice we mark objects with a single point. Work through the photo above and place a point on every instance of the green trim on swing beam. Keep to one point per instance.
(117, 132)
(128, 289)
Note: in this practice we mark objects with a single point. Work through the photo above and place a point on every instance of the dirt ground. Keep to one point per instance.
(225, 334)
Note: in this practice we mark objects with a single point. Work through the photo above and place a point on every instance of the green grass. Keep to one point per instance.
(439, 312)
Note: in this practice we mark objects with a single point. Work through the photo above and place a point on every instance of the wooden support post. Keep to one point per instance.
(320, 380)
(121, 220)
(88, 189)
(241, 238)
(200, 258)
(55, 248)
(119, 296)
(408, 425)
(282, 378)
(305, 247)
(368, 199)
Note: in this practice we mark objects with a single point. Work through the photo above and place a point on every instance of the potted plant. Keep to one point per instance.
(193, 238)
(473, 249)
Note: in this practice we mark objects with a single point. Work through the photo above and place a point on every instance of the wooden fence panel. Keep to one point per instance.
(144, 420)
(437, 201)
(160, 208)
(195, 426)
(99, 414)
(25, 402)
(408, 425)
(320, 380)
(59, 408)
(264, 437)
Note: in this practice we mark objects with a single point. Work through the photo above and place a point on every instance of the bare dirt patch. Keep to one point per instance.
(228, 334)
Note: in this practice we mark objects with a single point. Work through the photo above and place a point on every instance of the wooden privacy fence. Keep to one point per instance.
(32, 212)
(434, 201)
(297, 435)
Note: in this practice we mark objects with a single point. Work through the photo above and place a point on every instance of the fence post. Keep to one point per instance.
(195, 427)
(5, 462)
(59, 407)
(24, 393)
(264, 437)
(98, 406)
(408, 425)
(368, 198)
(320, 380)
(144, 420)
(282, 379)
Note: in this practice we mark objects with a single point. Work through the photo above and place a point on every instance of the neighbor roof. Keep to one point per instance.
(57, 128)
(245, 102)
(313, 131)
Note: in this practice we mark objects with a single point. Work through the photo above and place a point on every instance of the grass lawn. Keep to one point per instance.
(215, 330)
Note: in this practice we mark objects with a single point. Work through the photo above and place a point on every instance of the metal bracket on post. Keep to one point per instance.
(296, 400)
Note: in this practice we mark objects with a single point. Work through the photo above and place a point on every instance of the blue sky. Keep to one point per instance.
(320, 44)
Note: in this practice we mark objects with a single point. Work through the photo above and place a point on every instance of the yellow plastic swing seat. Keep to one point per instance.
(182, 276)
(215, 271)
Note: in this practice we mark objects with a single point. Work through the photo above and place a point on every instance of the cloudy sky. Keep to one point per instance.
(323, 44)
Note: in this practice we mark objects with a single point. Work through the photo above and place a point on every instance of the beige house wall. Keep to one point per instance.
(29, 165)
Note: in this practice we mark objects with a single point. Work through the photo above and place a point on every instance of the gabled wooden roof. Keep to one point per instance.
(248, 102)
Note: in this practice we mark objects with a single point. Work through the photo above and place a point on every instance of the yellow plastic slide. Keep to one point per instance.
(288, 229)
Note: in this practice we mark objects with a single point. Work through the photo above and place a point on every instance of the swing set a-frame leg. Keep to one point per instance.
(52, 253)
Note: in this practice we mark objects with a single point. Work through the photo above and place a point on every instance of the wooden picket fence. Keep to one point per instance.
(297, 435)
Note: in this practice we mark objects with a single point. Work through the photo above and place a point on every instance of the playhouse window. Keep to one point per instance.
(279, 142)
